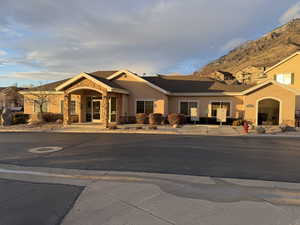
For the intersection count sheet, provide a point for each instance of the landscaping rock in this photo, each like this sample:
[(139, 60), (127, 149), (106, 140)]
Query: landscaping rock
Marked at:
[(176, 126), (59, 121), (152, 127), (260, 130), (285, 128), (112, 127)]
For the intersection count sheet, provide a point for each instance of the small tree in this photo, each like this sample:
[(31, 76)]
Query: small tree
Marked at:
[(39, 97)]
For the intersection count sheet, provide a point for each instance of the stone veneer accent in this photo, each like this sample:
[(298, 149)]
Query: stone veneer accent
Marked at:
[(87, 84)]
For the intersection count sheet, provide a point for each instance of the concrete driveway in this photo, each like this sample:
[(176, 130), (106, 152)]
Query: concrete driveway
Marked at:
[(263, 158)]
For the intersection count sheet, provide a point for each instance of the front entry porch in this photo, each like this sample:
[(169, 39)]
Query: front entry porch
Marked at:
[(91, 106)]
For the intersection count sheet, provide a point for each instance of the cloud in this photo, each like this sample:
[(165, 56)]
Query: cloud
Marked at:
[(71, 36), (236, 42), (2, 53), (36, 76), (292, 13)]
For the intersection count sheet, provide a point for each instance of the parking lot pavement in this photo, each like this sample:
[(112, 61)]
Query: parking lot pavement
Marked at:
[(263, 158), (25, 203)]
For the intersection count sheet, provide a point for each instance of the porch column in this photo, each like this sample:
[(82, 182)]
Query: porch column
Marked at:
[(106, 109), (119, 113), (67, 108), (80, 109)]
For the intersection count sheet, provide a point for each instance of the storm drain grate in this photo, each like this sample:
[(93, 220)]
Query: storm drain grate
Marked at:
[(48, 149)]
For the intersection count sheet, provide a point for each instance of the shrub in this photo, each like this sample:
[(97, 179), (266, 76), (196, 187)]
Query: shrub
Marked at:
[(164, 120), (20, 118), (141, 118), (175, 118), (51, 117), (237, 122), (155, 118)]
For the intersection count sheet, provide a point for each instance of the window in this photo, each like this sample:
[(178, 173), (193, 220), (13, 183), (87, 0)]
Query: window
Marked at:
[(216, 105), (144, 107), (113, 109), (72, 107), (285, 78), (37, 105), (185, 107)]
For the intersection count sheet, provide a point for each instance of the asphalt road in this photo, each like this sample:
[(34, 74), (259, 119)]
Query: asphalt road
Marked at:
[(23, 203), (264, 158)]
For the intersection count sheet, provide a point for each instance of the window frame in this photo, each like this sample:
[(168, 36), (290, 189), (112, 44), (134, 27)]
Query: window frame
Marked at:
[(219, 101), (144, 100), (62, 102), (188, 101), (283, 76)]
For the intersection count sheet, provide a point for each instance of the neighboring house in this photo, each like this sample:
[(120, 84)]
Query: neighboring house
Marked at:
[(117, 96), (11, 98), (250, 74), (222, 76)]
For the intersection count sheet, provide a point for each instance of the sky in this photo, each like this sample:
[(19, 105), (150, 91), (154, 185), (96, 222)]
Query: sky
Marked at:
[(46, 40)]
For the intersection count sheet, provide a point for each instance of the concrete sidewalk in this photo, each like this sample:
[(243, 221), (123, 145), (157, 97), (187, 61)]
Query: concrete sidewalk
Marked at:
[(114, 198)]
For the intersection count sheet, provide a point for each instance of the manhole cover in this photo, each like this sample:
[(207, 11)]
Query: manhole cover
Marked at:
[(48, 149)]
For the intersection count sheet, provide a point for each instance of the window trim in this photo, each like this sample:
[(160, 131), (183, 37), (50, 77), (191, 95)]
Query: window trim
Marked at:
[(145, 100), (292, 78), (188, 100), (220, 101), (62, 102)]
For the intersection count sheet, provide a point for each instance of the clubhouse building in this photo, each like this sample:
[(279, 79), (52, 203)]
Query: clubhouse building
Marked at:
[(117, 96)]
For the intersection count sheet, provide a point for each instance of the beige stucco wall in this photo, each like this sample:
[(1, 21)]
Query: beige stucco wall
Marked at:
[(54, 103), (286, 98), (290, 66), (204, 106), (139, 90)]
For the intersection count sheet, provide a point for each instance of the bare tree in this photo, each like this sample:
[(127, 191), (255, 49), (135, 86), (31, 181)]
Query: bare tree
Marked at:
[(39, 98)]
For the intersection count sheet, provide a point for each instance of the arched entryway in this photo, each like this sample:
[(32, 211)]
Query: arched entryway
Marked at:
[(268, 112)]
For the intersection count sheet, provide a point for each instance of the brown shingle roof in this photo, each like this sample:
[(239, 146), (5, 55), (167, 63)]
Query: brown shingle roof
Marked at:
[(171, 83), (99, 75), (104, 80), (193, 84), (47, 87), (103, 74)]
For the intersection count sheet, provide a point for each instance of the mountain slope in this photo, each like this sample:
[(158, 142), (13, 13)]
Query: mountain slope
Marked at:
[(264, 52)]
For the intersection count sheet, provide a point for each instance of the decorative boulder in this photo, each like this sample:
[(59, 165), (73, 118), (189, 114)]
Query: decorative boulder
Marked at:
[(6, 117), (260, 130)]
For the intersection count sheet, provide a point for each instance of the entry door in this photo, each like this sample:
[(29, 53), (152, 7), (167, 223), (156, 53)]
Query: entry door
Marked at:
[(96, 110)]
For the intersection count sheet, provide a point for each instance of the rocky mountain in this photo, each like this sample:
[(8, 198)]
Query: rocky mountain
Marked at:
[(261, 53)]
